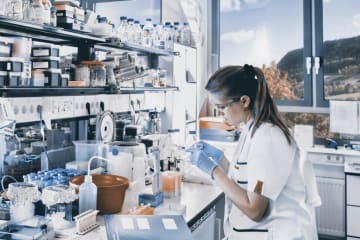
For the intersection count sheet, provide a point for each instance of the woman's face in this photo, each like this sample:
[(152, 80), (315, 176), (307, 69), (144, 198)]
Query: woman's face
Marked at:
[(236, 110)]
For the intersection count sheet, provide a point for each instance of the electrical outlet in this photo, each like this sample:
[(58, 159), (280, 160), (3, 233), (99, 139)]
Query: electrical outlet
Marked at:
[(26, 110)]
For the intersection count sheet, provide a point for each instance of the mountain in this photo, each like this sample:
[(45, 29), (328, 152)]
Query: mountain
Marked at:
[(339, 55)]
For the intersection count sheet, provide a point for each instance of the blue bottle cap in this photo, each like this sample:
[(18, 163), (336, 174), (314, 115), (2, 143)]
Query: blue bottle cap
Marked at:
[(114, 151)]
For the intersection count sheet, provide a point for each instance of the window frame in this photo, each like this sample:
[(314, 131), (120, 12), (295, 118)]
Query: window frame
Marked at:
[(314, 95)]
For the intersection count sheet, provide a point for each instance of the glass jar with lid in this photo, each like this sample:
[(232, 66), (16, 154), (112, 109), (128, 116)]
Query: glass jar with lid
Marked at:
[(97, 74)]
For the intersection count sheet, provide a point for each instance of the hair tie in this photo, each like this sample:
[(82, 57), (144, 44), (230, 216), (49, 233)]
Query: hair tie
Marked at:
[(249, 70)]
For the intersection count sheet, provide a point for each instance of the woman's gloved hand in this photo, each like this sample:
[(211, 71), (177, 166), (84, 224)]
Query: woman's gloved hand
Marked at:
[(203, 161), (213, 152)]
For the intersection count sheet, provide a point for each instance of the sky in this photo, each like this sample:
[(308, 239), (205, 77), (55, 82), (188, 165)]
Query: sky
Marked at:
[(260, 31)]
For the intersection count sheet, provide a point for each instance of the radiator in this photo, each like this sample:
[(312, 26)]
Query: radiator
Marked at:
[(330, 216)]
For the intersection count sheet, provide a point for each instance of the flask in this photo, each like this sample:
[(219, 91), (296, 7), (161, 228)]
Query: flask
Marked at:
[(87, 195)]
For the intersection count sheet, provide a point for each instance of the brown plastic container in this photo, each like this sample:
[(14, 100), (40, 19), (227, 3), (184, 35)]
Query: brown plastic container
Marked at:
[(111, 191)]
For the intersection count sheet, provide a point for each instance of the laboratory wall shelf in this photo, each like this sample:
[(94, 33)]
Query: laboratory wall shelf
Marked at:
[(45, 33), (48, 91), (134, 47), (130, 90)]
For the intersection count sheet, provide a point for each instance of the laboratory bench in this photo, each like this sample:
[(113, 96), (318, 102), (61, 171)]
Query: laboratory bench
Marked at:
[(199, 199)]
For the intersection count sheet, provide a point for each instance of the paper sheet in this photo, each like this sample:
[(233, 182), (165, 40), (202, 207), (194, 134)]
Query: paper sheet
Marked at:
[(169, 224), (344, 117)]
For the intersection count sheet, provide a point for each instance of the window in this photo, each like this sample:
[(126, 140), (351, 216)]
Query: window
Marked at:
[(270, 35), (341, 49), (139, 10)]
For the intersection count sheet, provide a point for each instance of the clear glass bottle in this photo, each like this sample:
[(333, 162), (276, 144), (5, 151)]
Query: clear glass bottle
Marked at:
[(185, 35), (14, 9), (147, 35), (138, 32), (159, 37), (121, 30), (177, 30), (36, 11), (46, 11), (87, 195), (130, 30), (53, 18), (26, 9), (169, 36)]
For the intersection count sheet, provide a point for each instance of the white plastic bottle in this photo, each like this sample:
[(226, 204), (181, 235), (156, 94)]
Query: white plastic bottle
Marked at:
[(87, 195)]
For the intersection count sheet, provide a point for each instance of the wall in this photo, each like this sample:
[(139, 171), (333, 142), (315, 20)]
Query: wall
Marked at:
[(198, 14)]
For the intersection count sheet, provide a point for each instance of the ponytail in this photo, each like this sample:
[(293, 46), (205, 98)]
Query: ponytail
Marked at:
[(265, 109), (236, 81)]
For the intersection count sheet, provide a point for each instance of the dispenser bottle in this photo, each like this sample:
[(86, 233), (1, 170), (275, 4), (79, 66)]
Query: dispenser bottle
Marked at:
[(87, 195)]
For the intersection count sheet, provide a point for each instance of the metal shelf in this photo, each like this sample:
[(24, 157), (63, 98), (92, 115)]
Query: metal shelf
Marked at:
[(48, 91), (45, 33), (109, 45), (128, 90)]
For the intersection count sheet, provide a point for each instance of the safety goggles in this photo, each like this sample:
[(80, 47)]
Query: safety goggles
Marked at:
[(223, 107)]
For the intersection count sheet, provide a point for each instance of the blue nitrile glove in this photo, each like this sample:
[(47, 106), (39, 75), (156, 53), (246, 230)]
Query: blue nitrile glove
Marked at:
[(213, 152), (202, 160)]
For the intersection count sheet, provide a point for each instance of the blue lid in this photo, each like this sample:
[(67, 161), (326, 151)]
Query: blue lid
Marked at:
[(176, 23), (186, 23), (167, 23), (148, 19), (123, 18), (136, 21), (130, 20), (114, 151)]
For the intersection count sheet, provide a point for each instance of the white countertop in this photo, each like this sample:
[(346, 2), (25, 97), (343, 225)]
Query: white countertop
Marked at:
[(196, 198), (322, 149)]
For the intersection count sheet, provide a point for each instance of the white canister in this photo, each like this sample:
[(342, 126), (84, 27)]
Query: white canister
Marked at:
[(120, 163)]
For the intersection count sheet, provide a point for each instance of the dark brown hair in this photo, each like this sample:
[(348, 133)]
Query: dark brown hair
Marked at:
[(235, 81)]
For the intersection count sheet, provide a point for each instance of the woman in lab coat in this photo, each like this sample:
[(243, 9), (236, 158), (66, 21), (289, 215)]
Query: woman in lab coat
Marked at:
[(264, 187)]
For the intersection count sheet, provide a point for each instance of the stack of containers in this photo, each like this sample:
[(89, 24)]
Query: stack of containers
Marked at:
[(70, 16), (46, 66), (13, 55)]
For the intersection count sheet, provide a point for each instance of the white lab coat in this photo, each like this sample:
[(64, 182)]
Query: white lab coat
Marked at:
[(267, 157)]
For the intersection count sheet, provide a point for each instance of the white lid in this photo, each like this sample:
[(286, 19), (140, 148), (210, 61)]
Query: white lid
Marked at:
[(3, 73)]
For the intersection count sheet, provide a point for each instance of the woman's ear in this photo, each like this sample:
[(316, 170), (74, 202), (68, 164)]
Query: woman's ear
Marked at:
[(245, 101)]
